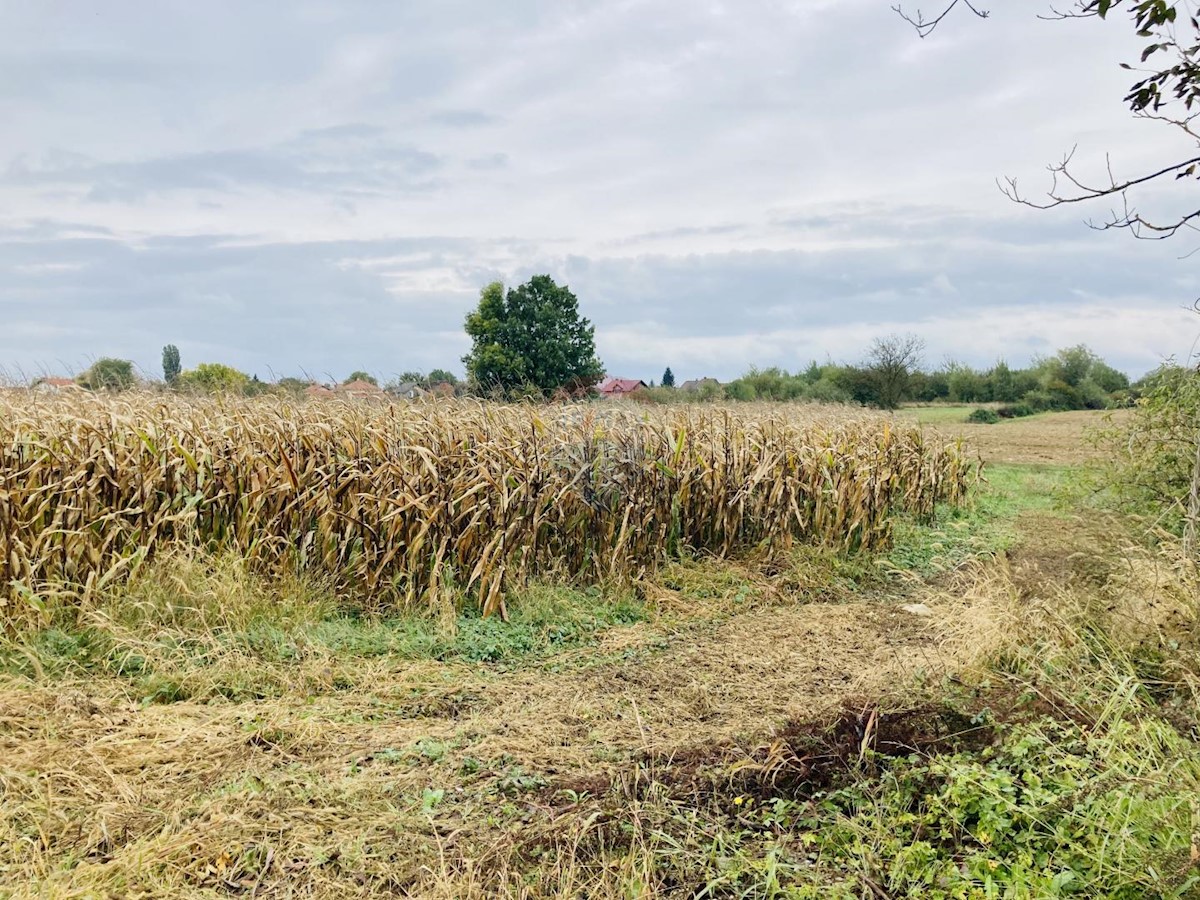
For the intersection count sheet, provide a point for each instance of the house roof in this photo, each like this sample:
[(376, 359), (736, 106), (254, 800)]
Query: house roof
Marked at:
[(409, 388), (696, 383), (620, 385), (358, 386), (57, 382), (318, 390)]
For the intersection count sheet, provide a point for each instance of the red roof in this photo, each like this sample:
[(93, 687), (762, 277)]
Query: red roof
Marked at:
[(611, 387), (358, 386)]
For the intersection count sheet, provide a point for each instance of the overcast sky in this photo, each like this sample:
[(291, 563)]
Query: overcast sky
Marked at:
[(325, 185)]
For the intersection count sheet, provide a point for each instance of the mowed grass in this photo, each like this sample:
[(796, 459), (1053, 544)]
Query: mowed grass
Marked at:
[(936, 415)]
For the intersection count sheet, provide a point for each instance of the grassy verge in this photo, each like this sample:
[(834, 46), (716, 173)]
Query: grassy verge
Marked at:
[(987, 524)]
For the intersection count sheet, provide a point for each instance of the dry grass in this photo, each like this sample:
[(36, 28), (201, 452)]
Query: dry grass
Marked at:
[(1045, 439), (413, 505), (352, 790)]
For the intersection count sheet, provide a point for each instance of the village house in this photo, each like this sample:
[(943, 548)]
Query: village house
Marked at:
[(409, 390), (360, 388), (697, 384), (616, 388)]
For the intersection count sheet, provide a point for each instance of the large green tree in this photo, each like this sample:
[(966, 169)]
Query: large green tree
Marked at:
[(531, 338), (215, 378), (107, 374)]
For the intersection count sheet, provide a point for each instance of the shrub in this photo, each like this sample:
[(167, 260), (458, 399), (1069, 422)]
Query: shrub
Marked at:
[(983, 416), (1014, 411), (1148, 467)]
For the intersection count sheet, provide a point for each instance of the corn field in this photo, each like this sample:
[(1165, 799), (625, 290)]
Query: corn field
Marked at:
[(400, 505)]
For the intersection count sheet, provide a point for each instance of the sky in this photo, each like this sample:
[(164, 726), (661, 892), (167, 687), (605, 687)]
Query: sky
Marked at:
[(320, 186)]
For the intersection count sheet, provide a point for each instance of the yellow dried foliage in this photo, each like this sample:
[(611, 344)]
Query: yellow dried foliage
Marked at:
[(398, 503)]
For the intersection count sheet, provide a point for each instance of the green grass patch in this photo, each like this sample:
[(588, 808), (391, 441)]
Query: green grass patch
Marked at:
[(164, 658), (986, 524)]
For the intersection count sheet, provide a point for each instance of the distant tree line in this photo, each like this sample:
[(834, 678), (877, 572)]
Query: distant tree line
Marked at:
[(531, 342), (1072, 378)]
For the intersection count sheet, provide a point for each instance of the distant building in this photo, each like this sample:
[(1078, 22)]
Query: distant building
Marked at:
[(55, 385), (409, 390), (442, 389), (697, 384), (318, 392), (360, 388), (616, 388)]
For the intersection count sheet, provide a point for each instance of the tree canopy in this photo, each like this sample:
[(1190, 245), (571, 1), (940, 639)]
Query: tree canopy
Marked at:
[(362, 376), (891, 362), (531, 339), (170, 363), (215, 378), (107, 374)]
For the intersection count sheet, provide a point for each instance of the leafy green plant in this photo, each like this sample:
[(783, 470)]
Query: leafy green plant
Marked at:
[(983, 416)]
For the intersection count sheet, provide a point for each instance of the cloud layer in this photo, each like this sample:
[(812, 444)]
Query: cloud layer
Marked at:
[(326, 187)]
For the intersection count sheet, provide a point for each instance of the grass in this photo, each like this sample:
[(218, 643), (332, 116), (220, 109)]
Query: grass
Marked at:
[(937, 415), (196, 628), (988, 524)]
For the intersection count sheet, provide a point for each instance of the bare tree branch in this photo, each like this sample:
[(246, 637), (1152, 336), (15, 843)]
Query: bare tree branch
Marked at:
[(1067, 188), (925, 27), (1174, 81)]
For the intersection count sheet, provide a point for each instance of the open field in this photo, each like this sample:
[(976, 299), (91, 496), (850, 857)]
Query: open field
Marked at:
[(1058, 438), (708, 728)]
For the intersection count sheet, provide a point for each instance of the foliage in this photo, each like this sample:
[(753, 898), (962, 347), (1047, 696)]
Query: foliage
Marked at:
[(531, 337), (891, 362), (411, 506), (1014, 411), (109, 374), (214, 378), (983, 416), (361, 376), (668, 378), (442, 376), (1147, 467), (170, 364), (294, 387)]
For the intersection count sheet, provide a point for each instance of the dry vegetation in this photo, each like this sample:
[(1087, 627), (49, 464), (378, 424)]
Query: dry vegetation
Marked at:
[(1055, 438), (799, 721), (404, 504)]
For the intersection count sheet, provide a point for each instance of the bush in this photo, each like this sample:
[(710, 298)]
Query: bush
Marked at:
[(1015, 411), (983, 417), (1147, 469)]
